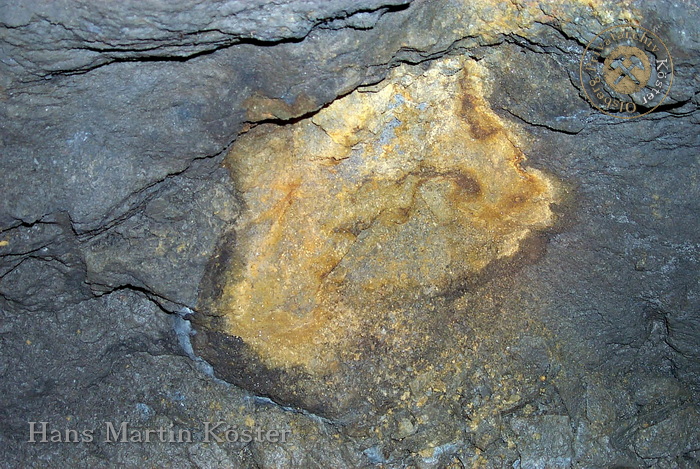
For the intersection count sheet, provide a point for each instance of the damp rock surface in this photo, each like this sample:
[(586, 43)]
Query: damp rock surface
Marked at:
[(123, 130), (392, 195), (393, 192)]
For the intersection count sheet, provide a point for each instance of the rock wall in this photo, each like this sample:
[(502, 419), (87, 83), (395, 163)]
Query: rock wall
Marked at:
[(458, 260)]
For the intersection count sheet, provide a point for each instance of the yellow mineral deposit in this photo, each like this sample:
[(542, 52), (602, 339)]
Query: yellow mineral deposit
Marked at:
[(390, 193)]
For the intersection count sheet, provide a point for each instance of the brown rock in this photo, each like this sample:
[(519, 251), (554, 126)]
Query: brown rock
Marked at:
[(393, 193)]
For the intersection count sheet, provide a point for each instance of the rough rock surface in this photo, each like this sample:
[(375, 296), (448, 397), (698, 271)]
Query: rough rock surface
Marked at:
[(389, 196), (115, 120)]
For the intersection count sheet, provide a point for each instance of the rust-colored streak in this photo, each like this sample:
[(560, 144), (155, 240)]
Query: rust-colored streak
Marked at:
[(481, 125), (389, 192), (261, 108)]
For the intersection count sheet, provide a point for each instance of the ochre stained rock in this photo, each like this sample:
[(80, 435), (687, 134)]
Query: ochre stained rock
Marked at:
[(392, 193)]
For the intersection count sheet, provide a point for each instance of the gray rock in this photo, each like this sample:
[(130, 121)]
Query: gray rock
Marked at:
[(678, 433), (180, 225), (114, 118), (45, 37), (544, 442)]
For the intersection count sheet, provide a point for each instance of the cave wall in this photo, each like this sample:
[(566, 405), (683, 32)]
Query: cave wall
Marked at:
[(116, 120)]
